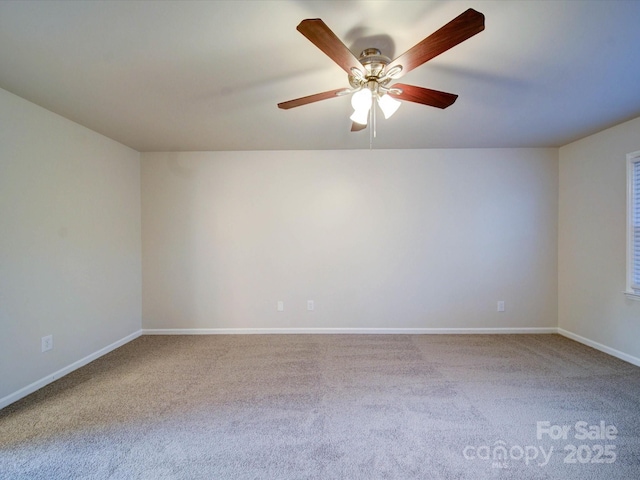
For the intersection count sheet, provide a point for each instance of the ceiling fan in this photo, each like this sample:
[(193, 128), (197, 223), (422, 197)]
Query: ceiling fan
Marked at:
[(370, 76)]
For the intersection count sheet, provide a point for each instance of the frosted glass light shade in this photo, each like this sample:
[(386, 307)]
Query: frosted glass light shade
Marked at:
[(361, 103), (361, 100), (360, 116), (388, 105)]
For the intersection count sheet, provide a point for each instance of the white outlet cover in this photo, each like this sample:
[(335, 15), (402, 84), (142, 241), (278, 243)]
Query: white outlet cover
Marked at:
[(47, 343)]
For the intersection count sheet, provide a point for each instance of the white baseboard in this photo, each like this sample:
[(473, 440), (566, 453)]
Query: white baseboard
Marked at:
[(23, 392), (382, 331), (599, 346)]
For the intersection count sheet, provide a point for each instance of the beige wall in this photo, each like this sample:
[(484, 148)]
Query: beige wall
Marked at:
[(592, 240), (70, 261), (378, 239)]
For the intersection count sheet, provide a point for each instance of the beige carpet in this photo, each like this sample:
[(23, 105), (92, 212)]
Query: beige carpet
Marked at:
[(332, 407)]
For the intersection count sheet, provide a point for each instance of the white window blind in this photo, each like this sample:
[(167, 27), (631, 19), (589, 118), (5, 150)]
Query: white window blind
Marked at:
[(635, 224)]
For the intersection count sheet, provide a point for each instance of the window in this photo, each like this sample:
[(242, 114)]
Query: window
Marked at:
[(633, 225)]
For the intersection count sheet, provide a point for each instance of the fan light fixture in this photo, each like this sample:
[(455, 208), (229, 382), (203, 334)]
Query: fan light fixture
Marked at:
[(372, 85), (362, 101)]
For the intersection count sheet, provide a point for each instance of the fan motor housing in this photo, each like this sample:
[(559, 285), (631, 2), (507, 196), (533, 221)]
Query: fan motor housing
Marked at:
[(374, 64)]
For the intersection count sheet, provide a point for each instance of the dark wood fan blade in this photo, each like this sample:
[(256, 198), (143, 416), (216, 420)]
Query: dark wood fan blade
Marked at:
[(458, 30), (310, 99), (425, 96), (322, 37), (356, 127)]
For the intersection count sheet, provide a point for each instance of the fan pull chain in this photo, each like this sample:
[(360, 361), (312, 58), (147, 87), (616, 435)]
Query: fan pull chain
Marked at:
[(372, 124), (371, 129), (373, 107)]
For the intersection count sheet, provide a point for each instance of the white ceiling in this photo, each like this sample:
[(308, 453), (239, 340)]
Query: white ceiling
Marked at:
[(207, 75)]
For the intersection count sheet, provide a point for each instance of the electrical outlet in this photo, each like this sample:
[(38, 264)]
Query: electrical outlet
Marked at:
[(280, 306), (501, 306), (310, 305), (47, 343)]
